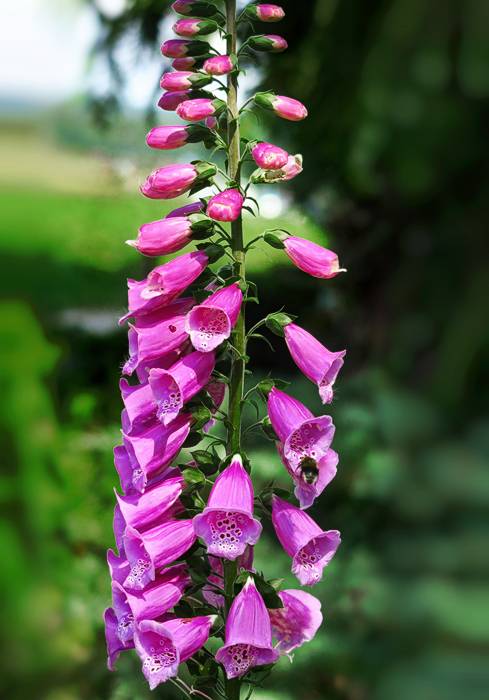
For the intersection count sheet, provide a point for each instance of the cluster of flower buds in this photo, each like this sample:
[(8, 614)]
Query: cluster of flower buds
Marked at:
[(177, 526)]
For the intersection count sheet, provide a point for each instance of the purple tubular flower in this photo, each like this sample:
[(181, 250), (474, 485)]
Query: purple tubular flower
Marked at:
[(209, 324), (139, 406), (265, 12), (174, 180), (268, 156), (158, 335), (172, 388), (268, 42), (198, 8), (248, 640), (226, 205), (155, 548), (167, 236), (297, 622), (150, 604), (183, 80), (218, 65), (311, 476), (312, 258), (216, 577), (162, 646), (310, 547), (302, 434), (187, 210), (167, 137), (199, 108), (145, 456), (118, 566), (141, 510), (319, 364), (285, 107), (227, 525), (112, 639), (164, 283), (169, 101), (194, 27), (178, 48)]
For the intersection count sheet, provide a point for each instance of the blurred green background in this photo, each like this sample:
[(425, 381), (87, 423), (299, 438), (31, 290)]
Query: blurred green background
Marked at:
[(396, 181)]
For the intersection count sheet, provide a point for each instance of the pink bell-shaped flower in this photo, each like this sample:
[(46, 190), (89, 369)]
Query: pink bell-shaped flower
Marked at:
[(310, 547), (163, 646), (183, 80), (265, 12), (218, 65), (226, 205), (285, 107), (227, 525), (172, 388), (312, 258), (194, 27), (142, 509), (297, 622), (209, 324), (200, 108), (248, 638), (178, 48), (319, 364), (268, 156)]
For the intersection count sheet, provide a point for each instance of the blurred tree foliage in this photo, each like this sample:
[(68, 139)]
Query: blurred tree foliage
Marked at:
[(396, 160)]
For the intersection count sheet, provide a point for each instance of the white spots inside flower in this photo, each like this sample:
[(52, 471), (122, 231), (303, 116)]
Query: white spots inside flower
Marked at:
[(169, 398), (241, 658), (226, 532), (137, 475), (306, 442), (309, 558), (160, 656), (125, 628), (138, 576), (211, 326), (287, 624)]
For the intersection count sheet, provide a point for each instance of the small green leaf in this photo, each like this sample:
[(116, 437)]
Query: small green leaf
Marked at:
[(192, 475)]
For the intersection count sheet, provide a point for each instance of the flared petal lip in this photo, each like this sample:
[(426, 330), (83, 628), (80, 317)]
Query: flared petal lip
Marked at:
[(269, 656), (330, 427)]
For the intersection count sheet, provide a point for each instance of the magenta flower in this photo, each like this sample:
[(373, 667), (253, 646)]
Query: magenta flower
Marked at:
[(142, 509), (187, 209), (225, 206), (146, 455), (285, 107), (172, 388), (200, 108), (160, 335), (171, 234), (163, 646), (131, 607), (164, 283), (193, 7), (216, 577), (173, 180), (185, 63), (183, 80), (178, 48), (170, 137), (227, 525), (310, 547), (265, 12), (297, 622), (268, 156), (155, 548), (210, 122), (293, 167), (312, 258), (218, 65), (268, 42), (248, 640), (310, 475), (194, 27), (169, 101), (209, 324), (319, 364)]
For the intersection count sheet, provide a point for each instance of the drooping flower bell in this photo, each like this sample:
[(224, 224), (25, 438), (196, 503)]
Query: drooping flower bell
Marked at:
[(268, 42), (143, 509), (129, 607), (163, 646), (209, 324), (197, 8), (312, 258), (169, 101), (285, 107), (146, 455), (178, 48), (227, 524), (154, 549), (310, 548), (174, 180), (319, 364), (218, 65), (184, 80), (225, 206), (200, 108), (268, 156), (172, 388), (297, 622), (248, 638), (166, 282), (291, 169), (171, 234), (194, 27), (171, 137), (265, 12)]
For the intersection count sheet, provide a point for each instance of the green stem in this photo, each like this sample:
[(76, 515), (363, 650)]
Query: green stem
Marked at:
[(237, 373)]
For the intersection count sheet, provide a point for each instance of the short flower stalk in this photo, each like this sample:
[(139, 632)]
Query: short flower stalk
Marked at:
[(186, 530)]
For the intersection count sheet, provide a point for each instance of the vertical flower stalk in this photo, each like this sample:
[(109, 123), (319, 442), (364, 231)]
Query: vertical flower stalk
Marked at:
[(194, 527)]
